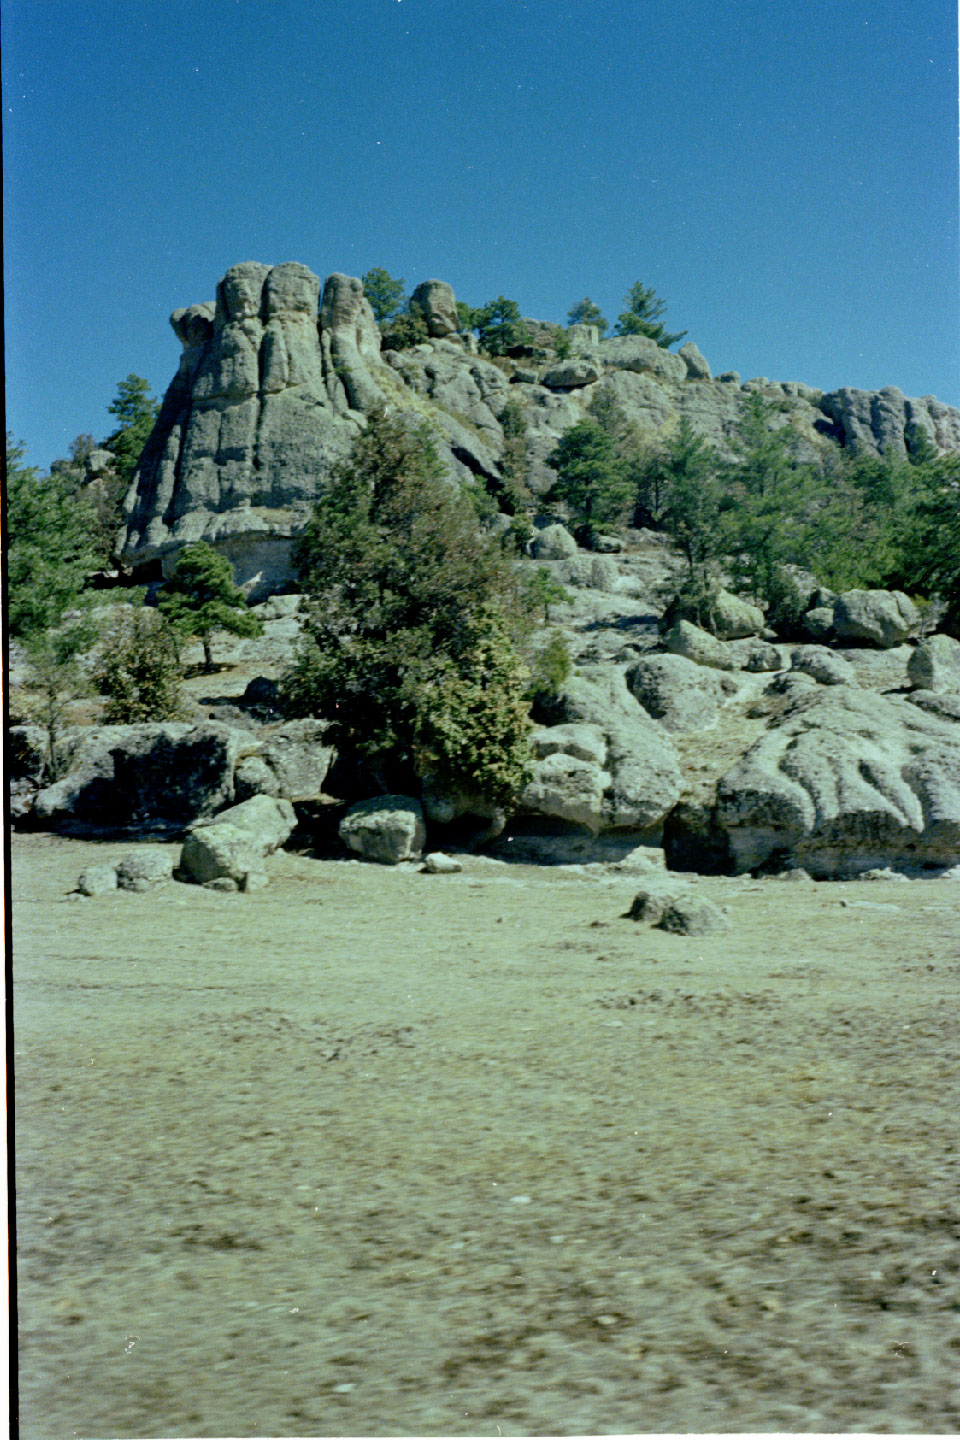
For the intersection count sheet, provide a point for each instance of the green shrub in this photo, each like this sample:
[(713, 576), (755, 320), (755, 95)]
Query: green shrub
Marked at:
[(139, 670)]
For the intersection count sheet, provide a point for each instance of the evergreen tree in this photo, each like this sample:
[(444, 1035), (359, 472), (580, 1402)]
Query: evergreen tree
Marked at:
[(515, 493), (200, 597), (409, 645), (386, 295), (642, 316), (139, 670), (137, 411), (931, 549), (500, 326), (51, 545), (688, 470), (591, 477), (586, 313)]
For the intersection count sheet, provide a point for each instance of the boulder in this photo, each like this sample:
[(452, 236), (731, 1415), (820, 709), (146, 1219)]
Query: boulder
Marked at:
[(880, 617), (688, 640), (650, 904), (692, 915), (818, 622), (935, 665), (133, 776), (697, 367), (848, 780), (144, 869), (564, 787), (553, 543), (438, 305), (387, 829), (440, 864), (825, 666), (734, 618), (574, 373), (583, 742), (756, 656), (642, 355), (97, 880), (293, 761), (237, 841), (675, 691)]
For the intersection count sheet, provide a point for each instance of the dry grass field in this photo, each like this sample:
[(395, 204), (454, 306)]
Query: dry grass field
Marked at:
[(372, 1152)]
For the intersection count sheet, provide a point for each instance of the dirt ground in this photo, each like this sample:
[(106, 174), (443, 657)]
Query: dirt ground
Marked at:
[(372, 1152)]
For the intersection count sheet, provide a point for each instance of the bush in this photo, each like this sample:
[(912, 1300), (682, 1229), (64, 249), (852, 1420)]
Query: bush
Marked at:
[(139, 670), (200, 597)]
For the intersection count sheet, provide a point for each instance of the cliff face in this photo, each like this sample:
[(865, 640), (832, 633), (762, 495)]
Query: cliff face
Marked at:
[(276, 378)]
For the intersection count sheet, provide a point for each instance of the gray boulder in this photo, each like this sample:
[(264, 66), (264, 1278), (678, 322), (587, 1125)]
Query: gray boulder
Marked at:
[(438, 306), (848, 780), (564, 787), (97, 880), (133, 776), (935, 665), (651, 903), (440, 864), (643, 356), (144, 869), (553, 543), (574, 373), (237, 841), (293, 761), (818, 622), (675, 691), (825, 666), (880, 617), (756, 656), (692, 915), (881, 421), (583, 742), (697, 367), (698, 645), (734, 618), (387, 829)]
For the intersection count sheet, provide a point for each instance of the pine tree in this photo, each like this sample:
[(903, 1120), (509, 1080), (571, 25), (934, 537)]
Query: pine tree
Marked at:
[(642, 316), (200, 597)]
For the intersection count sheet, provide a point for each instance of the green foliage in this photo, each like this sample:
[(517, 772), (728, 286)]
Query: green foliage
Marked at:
[(55, 679), (137, 412), (642, 316), (562, 345), (685, 475), (767, 509), (541, 589), (696, 601), (592, 477), (586, 313), (931, 549), (51, 545), (405, 331), (499, 326), (386, 295), (139, 669), (550, 668), (515, 493), (467, 315), (407, 647), (200, 597)]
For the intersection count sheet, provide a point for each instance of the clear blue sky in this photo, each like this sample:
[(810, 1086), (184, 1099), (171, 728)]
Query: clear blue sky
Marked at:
[(784, 174)]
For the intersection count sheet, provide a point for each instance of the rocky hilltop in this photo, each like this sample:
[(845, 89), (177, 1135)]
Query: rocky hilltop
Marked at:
[(279, 373)]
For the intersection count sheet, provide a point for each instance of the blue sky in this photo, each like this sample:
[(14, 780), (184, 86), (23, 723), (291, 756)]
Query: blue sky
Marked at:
[(783, 174)]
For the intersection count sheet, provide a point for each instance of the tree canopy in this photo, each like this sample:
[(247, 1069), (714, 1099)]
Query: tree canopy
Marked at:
[(586, 313), (410, 642), (386, 295), (201, 597), (642, 316), (137, 411)]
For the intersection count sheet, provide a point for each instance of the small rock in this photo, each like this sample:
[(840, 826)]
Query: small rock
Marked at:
[(440, 864), (651, 903), (97, 880), (797, 875), (884, 874), (144, 869), (223, 883), (692, 915), (254, 880)]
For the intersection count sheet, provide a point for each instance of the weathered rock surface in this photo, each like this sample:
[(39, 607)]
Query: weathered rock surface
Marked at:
[(387, 829), (144, 869), (293, 761), (825, 666), (675, 691), (880, 617), (692, 915), (130, 776), (274, 382), (650, 904), (935, 665), (236, 842), (847, 781), (698, 645)]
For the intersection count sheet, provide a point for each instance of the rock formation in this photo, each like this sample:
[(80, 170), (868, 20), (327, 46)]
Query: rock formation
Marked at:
[(279, 373)]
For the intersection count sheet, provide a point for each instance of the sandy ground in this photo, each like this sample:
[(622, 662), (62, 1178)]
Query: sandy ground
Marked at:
[(377, 1153)]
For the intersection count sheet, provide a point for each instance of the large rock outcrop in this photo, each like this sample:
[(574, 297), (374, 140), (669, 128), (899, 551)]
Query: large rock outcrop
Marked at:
[(279, 373), (847, 781)]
